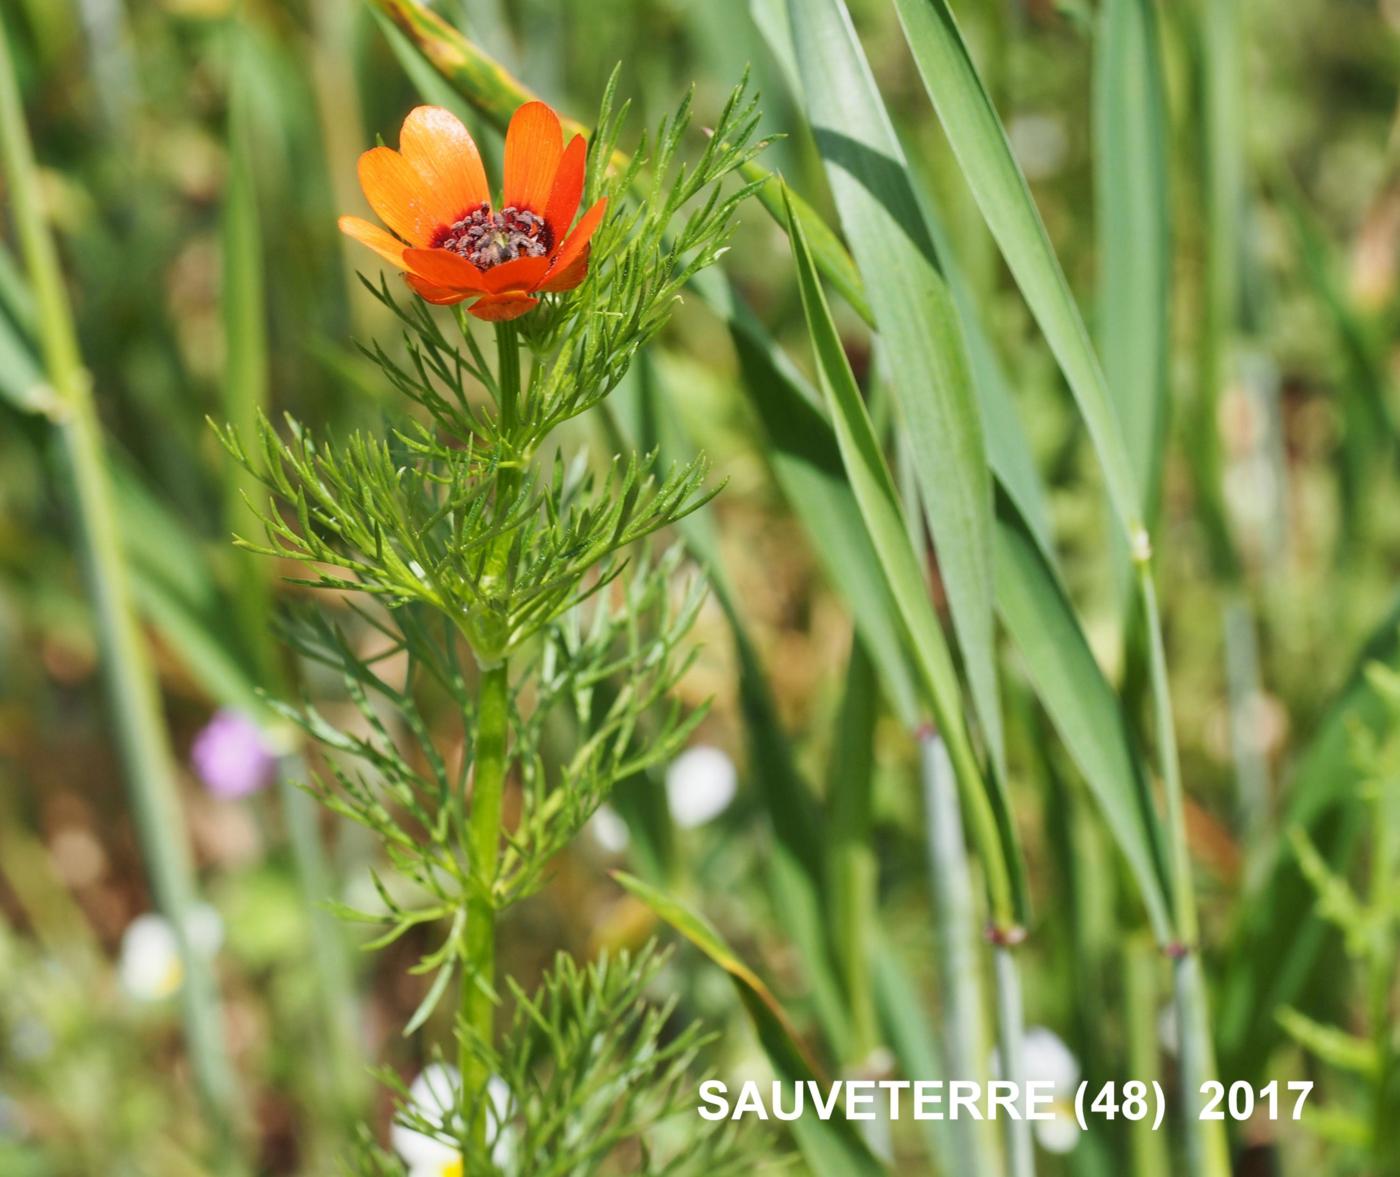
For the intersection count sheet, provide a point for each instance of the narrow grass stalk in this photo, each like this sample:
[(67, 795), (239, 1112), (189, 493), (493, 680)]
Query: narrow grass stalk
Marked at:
[(955, 927), (985, 804), (985, 157), (132, 690), (1011, 1032), (245, 391), (1207, 1145), (1140, 960)]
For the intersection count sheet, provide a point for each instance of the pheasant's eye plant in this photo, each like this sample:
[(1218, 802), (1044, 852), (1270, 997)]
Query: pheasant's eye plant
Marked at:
[(433, 193), (513, 579)]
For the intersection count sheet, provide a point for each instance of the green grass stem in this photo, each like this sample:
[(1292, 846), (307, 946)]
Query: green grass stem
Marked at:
[(132, 689)]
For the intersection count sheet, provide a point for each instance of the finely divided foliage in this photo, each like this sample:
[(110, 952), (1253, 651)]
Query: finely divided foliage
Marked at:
[(463, 546)]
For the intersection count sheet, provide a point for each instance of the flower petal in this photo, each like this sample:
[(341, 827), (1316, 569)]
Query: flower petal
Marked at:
[(443, 152), (570, 276), (438, 295), (497, 308), (576, 242), (568, 188), (522, 273), (386, 245), (399, 194), (534, 143), (442, 267)]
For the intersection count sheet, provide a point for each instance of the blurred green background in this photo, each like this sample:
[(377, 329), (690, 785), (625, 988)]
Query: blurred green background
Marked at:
[(1278, 542)]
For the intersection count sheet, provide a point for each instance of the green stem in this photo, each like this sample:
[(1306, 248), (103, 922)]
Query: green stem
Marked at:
[(508, 375), (478, 997), (1183, 894), (1208, 1146), (131, 686), (484, 833), (1140, 961), (1011, 1032)]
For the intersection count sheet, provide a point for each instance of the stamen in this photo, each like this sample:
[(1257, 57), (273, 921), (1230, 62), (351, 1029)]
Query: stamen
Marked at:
[(487, 239)]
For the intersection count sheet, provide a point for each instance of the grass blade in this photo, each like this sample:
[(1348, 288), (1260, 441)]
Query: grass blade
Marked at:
[(852, 867), (874, 492), (918, 324), (1081, 704), (1011, 1033), (1133, 231), (807, 466), (829, 1146), (1220, 134), (984, 154)]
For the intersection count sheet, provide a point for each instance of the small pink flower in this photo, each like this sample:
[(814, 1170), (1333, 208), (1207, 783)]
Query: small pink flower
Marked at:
[(232, 757)]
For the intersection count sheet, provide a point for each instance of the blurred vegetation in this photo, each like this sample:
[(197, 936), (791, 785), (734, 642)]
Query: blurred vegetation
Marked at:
[(1276, 550)]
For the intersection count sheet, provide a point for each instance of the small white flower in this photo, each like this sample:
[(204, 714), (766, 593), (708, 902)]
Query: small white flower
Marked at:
[(609, 830), (1046, 1059), (149, 966), (433, 1096), (700, 784)]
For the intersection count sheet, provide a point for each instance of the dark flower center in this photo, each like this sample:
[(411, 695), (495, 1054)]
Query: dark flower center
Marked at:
[(487, 239)]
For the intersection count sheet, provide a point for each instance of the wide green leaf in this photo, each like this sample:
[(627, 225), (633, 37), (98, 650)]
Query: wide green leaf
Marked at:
[(807, 466), (986, 807), (1218, 132), (918, 324), (1008, 449), (852, 865), (1133, 230), (1081, 704), (984, 154)]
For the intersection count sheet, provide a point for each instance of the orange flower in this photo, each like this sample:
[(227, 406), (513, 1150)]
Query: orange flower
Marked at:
[(432, 192)]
